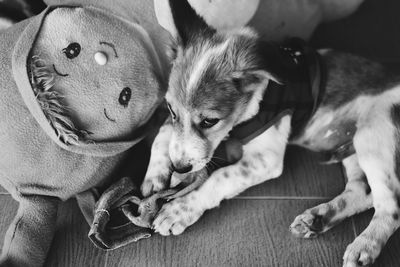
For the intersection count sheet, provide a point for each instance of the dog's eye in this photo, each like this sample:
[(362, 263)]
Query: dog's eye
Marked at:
[(171, 111), (208, 123), (125, 96), (72, 50)]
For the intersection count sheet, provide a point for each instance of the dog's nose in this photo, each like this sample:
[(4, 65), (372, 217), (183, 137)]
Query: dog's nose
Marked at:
[(182, 168)]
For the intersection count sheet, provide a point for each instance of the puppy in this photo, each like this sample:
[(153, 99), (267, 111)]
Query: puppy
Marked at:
[(222, 83)]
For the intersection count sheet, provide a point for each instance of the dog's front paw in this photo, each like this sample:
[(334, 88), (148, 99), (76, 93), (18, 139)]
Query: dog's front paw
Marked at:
[(362, 252), (177, 215), (307, 225), (153, 184)]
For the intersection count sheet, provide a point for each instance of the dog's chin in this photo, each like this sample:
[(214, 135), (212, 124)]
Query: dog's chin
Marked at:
[(197, 168)]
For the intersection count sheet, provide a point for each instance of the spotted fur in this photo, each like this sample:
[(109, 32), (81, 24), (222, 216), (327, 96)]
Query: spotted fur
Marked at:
[(159, 171)]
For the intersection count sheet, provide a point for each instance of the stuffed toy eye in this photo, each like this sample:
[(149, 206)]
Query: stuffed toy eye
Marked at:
[(72, 50), (171, 111), (125, 96)]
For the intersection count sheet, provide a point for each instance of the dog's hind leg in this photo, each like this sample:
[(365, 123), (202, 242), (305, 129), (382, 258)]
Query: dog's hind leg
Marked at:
[(29, 237), (376, 144), (354, 199)]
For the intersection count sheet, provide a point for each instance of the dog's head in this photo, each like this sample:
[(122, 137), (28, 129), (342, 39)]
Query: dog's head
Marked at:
[(216, 82), (95, 74)]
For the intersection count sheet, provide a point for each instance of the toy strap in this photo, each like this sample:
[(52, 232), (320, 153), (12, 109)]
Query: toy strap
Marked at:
[(122, 217)]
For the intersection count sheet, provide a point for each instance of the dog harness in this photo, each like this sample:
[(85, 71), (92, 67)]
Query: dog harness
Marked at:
[(298, 96)]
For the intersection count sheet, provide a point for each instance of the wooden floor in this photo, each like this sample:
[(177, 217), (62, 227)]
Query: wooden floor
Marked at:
[(250, 230)]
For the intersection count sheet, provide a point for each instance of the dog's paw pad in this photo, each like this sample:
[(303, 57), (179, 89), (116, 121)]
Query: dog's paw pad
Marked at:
[(306, 225), (362, 252)]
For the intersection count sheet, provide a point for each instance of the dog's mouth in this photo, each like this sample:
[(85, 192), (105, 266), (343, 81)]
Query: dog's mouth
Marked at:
[(108, 116), (59, 73)]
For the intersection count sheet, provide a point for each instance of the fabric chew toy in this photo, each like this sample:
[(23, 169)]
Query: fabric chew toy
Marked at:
[(109, 230), (121, 216), (80, 88)]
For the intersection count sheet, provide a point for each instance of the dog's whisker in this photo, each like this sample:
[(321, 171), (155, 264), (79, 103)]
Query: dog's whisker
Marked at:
[(218, 158), (215, 164)]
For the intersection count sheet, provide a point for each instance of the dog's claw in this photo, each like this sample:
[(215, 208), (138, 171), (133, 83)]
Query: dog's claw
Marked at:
[(303, 226), (362, 252)]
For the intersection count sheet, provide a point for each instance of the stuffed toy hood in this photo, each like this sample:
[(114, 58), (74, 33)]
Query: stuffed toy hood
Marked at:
[(21, 78), (33, 159)]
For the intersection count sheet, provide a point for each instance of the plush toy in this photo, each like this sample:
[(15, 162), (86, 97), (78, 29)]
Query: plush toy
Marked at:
[(273, 19), (80, 88)]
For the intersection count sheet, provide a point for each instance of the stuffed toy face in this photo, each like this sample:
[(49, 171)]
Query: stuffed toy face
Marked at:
[(91, 75)]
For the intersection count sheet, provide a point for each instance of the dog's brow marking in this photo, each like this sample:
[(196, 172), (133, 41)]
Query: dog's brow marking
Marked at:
[(202, 64)]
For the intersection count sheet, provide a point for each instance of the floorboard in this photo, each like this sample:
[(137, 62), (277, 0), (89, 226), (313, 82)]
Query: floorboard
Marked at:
[(239, 233), (71, 246)]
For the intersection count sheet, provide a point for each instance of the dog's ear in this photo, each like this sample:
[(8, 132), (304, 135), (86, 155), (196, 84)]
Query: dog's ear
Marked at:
[(280, 63), (252, 80), (181, 20)]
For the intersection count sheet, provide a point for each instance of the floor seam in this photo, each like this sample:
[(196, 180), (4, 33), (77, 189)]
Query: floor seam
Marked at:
[(353, 224), (106, 259), (281, 198)]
